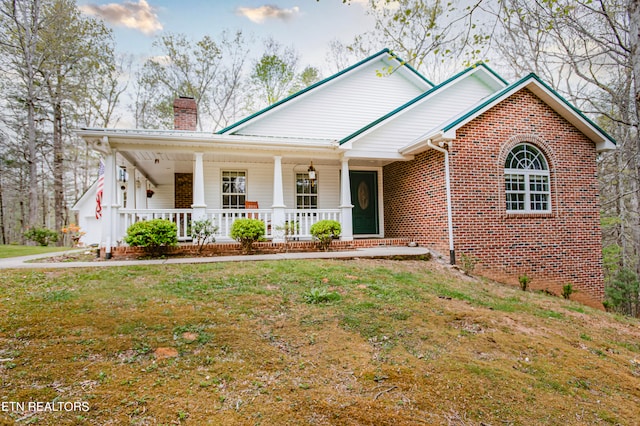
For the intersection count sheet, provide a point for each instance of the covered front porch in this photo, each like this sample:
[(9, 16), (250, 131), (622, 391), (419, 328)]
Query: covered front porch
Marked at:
[(289, 185)]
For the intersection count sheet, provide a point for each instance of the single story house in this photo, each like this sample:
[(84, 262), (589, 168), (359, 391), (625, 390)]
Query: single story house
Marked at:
[(477, 168)]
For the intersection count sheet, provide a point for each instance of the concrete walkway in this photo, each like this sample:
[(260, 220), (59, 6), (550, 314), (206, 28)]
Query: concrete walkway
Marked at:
[(385, 251)]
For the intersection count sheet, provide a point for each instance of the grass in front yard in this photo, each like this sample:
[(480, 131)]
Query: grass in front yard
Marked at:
[(308, 342), (7, 250)]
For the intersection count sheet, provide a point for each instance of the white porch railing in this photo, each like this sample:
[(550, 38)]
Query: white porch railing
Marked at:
[(299, 221), (224, 218), (303, 219)]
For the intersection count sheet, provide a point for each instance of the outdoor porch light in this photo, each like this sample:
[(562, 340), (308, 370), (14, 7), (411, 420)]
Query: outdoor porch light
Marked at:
[(312, 173)]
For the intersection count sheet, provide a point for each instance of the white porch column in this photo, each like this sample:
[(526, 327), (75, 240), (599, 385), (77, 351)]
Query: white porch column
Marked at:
[(345, 202), (110, 203), (278, 216), (199, 207), (141, 191), (131, 188)]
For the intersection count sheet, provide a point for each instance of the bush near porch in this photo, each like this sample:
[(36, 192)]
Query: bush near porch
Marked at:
[(247, 231), (154, 236), (325, 232)]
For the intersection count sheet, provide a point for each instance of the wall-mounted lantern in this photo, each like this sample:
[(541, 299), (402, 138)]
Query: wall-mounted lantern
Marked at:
[(312, 174)]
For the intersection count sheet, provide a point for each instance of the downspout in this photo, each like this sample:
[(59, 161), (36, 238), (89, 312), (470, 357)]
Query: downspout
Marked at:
[(447, 179)]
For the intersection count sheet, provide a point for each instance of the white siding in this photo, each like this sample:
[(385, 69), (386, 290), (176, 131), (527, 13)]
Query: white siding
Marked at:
[(162, 197), (338, 108), (400, 131), (328, 185), (86, 208), (260, 183)]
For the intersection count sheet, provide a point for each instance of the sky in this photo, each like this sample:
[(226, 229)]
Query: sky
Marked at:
[(307, 25)]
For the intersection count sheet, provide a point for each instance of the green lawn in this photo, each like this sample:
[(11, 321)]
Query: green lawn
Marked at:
[(15, 251), (326, 342)]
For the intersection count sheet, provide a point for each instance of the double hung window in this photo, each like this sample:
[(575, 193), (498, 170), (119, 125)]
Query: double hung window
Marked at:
[(306, 192), (234, 189)]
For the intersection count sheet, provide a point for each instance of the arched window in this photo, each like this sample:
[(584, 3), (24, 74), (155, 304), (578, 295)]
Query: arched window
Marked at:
[(526, 179)]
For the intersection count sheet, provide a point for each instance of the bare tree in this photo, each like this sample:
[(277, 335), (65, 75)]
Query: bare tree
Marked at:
[(228, 98), (183, 68), (274, 73), (21, 22), (75, 48), (435, 37)]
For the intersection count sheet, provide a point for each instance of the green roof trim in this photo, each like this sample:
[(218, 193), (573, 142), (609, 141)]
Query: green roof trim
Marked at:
[(409, 67), (495, 74), (515, 85), (321, 82), (417, 99)]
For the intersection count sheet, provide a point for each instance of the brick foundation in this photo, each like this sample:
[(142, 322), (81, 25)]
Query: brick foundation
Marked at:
[(260, 247)]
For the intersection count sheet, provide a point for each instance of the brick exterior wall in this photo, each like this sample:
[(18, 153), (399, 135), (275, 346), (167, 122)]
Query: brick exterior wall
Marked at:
[(183, 190), (554, 249), (415, 200), (185, 114)]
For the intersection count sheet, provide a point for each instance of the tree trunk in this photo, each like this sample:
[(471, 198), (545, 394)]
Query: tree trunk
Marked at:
[(33, 164), (58, 171), (3, 237), (45, 199), (31, 17), (634, 39), (621, 210)]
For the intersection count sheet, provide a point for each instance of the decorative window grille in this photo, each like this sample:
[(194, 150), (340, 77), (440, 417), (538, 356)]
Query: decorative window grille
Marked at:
[(526, 178)]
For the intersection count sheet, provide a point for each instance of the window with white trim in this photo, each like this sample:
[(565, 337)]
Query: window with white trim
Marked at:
[(306, 191), (234, 189), (526, 179)]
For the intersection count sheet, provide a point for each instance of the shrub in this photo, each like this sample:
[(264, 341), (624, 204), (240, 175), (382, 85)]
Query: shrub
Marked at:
[(468, 263), (325, 231), (202, 232), (154, 235), (41, 236), (247, 231), (568, 290), (290, 231), (524, 282)]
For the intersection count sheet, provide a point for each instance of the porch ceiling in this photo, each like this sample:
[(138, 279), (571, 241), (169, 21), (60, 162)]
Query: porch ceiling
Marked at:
[(171, 162)]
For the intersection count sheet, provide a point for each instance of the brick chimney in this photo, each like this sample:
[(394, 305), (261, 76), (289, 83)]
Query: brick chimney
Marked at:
[(185, 113)]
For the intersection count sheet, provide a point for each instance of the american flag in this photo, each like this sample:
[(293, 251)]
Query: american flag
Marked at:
[(100, 190)]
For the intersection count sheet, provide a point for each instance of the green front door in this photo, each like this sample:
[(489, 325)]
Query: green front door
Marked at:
[(364, 197)]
